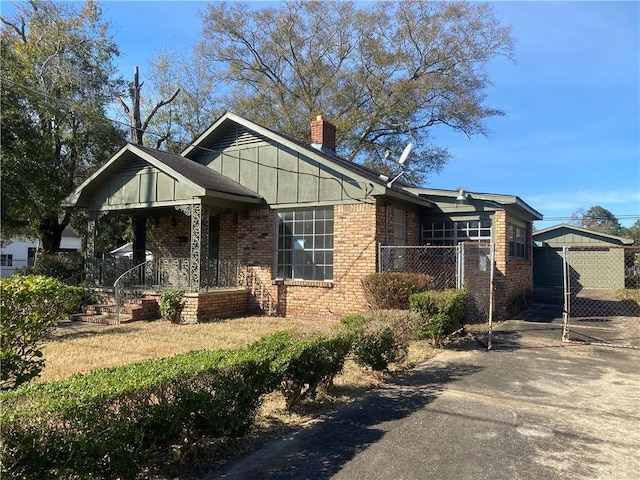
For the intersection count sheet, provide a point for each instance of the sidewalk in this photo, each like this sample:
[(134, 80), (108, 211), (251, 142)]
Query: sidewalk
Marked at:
[(532, 408)]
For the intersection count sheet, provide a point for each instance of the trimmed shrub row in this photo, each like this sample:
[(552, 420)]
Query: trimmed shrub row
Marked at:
[(112, 422), (109, 423)]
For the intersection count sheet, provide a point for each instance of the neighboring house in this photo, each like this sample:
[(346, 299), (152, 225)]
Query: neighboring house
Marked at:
[(587, 263), (303, 223), (19, 252)]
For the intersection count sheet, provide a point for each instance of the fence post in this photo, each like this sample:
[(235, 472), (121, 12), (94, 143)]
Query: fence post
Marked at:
[(491, 293), (459, 266), (566, 293)]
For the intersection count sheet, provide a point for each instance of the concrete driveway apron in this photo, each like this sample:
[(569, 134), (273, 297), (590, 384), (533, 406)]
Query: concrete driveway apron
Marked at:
[(532, 408)]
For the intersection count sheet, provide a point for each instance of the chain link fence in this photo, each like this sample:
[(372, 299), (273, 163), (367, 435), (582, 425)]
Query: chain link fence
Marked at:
[(466, 265), (602, 295)]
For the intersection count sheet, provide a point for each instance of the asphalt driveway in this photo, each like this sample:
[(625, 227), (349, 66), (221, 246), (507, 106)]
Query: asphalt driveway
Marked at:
[(531, 408)]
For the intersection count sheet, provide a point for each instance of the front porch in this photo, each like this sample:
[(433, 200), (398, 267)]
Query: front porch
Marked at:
[(127, 292), (182, 201)]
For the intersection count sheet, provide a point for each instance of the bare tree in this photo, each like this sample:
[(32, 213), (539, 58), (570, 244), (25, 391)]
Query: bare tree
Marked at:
[(382, 73), (138, 127)]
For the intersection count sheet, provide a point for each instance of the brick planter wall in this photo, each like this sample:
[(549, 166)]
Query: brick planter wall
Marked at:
[(222, 303)]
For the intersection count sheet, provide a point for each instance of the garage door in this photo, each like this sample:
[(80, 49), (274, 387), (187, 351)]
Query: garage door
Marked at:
[(597, 267)]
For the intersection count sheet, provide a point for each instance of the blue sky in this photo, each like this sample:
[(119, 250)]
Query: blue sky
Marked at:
[(571, 134)]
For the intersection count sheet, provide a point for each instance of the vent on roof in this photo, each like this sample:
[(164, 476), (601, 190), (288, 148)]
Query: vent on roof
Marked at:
[(134, 166), (238, 137)]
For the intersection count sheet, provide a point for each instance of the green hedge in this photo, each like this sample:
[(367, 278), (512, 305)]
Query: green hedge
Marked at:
[(442, 313), (115, 422), (299, 365), (111, 422)]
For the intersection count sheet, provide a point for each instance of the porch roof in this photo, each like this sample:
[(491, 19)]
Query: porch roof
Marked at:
[(122, 176)]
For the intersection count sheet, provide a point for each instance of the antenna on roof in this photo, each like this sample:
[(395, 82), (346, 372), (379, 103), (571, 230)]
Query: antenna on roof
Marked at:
[(402, 162)]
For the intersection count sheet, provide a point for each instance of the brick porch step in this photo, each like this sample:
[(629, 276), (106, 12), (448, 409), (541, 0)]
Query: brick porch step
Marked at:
[(101, 318), (136, 309)]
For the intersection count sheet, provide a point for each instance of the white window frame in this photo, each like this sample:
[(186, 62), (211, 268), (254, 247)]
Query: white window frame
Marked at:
[(453, 232)]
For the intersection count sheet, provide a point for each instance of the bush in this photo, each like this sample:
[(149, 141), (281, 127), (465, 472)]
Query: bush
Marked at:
[(61, 266), (355, 321), (391, 290), (442, 313), (300, 365), (376, 345), (172, 305), (31, 307), (111, 422)]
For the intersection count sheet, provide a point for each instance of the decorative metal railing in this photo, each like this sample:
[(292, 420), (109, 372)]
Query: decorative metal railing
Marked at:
[(163, 273)]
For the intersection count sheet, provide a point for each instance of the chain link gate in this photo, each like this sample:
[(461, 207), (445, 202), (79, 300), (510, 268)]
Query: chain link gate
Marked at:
[(470, 265), (602, 295)]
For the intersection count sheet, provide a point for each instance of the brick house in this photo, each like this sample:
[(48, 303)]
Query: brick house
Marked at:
[(294, 226)]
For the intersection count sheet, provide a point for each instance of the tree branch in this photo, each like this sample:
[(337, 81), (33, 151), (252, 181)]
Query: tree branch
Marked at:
[(160, 104), (19, 30)]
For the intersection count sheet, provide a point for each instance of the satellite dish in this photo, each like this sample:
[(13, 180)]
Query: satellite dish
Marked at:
[(405, 154)]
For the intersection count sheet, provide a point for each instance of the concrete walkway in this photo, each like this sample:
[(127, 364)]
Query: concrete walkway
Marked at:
[(532, 408)]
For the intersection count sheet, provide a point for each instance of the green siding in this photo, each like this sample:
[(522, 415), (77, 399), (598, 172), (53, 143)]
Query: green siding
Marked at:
[(132, 187), (281, 175)]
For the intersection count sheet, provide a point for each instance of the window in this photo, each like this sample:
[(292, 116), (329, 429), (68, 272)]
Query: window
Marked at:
[(399, 227), (305, 244), (452, 233), (6, 260), (31, 256), (518, 245)]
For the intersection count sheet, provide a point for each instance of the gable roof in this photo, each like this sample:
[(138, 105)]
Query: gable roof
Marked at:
[(198, 178), (558, 229), (339, 164)]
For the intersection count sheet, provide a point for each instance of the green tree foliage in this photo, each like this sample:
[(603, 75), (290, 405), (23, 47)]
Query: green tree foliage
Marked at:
[(633, 232), (57, 80), (597, 219), (31, 308), (383, 73)]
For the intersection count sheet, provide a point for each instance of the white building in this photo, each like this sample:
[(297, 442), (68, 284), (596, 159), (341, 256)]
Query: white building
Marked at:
[(21, 252)]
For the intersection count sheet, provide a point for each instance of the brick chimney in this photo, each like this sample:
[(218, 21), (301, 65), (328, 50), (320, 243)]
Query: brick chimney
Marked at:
[(323, 135)]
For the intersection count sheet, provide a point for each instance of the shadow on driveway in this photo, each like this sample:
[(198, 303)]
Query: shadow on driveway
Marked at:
[(322, 449)]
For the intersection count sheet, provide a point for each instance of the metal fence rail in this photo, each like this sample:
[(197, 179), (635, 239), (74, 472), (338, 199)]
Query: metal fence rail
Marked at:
[(602, 295)]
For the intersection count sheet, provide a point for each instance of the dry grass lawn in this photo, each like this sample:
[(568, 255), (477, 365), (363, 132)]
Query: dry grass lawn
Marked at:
[(80, 347)]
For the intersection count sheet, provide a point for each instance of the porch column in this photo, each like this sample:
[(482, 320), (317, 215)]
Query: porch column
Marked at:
[(199, 249), (139, 224), (199, 245), (90, 254)]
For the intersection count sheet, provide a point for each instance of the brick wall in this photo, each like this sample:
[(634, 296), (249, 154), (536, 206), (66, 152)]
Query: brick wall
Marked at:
[(249, 238), (514, 277), (172, 241)]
